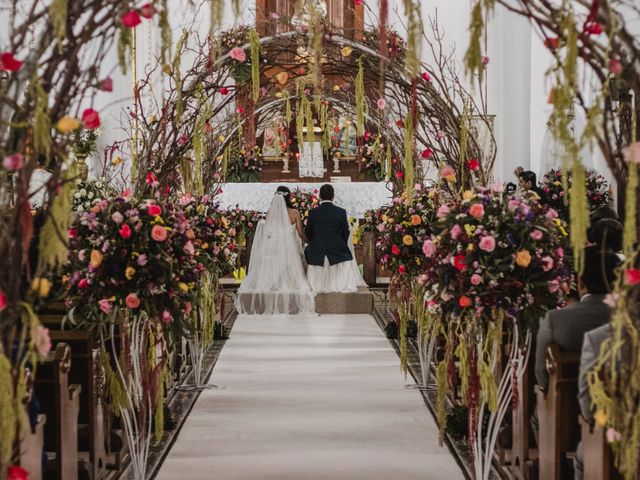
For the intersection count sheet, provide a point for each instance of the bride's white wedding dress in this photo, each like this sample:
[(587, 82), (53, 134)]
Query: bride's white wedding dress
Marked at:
[(276, 282)]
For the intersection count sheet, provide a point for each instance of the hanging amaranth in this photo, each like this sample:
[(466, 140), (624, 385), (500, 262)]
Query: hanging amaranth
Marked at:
[(578, 213), (300, 111), (41, 121), (58, 11), (360, 98), (124, 45), (414, 37), (178, 77), (409, 147), (254, 44), (165, 31), (287, 107)]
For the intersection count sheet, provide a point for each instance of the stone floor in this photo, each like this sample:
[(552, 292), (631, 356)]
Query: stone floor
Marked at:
[(308, 397)]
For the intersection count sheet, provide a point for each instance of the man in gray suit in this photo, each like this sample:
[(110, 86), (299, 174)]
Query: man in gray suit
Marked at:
[(566, 326)]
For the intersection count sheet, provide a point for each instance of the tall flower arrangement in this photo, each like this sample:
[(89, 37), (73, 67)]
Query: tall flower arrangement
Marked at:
[(305, 201), (493, 266)]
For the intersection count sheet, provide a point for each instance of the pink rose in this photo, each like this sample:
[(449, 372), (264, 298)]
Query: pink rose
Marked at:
[(536, 234), (455, 231), (105, 305), (106, 84), (429, 248), (560, 252), (42, 341), (154, 210), (166, 317), (551, 214), (476, 210), (238, 54), (90, 119), (13, 162), (487, 244), (3, 301), (189, 248), (547, 263), (513, 204), (83, 283), (132, 300), (443, 211), (117, 217), (158, 233), (125, 231), (476, 279)]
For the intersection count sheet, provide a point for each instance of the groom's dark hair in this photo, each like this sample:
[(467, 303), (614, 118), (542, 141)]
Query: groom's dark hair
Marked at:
[(326, 192)]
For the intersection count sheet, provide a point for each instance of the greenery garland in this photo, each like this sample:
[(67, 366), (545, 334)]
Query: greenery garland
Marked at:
[(360, 97), (254, 45)]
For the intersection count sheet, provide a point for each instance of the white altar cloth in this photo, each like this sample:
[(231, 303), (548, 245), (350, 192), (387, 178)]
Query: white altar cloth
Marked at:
[(355, 197)]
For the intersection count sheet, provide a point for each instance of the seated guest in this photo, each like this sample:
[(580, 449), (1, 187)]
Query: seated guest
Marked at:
[(607, 233), (527, 181), (604, 211), (566, 326)]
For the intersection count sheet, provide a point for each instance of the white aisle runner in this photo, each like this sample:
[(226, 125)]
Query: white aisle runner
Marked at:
[(309, 397)]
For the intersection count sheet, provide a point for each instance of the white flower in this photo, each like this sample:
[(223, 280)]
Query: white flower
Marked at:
[(80, 208)]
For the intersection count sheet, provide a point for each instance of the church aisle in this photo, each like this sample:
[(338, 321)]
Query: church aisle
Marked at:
[(308, 397)]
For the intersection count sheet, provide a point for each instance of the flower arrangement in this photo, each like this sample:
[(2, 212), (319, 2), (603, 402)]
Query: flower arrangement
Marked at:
[(403, 227), (242, 223), (305, 201), (90, 192), (597, 189), (374, 156), (132, 255), (373, 218), (243, 166)]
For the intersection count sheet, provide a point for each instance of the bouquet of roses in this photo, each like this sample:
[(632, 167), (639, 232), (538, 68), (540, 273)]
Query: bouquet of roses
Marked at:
[(403, 227), (598, 191), (136, 255), (373, 218), (244, 222), (490, 251), (304, 201)]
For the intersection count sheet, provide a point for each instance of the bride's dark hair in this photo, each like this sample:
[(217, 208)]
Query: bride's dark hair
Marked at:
[(286, 193)]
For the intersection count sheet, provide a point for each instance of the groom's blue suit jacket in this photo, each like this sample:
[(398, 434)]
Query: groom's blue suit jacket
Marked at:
[(328, 233)]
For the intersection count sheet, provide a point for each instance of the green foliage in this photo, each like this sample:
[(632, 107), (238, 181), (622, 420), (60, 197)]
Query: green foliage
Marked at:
[(8, 420), (360, 98), (165, 31), (124, 45), (254, 44), (41, 120)]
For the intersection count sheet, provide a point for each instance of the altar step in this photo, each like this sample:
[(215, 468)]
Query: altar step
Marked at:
[(345, 303)]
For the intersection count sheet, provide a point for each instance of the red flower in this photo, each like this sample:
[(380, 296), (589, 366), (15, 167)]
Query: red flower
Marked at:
[(552, 43), (239, 110), (632, 276), (152, 179), (147, 10), (131, 19), (615, 66), (154, 210), (395, 249), (400, 124), (473, 164), (399, 175), (83, 283), (72, 233), (402, 269), (9, 63), (17, 473), (224, 90), (426, 77), (106, 84), (427, 153), (593, 28), (459, 263), (90, 119), (465, 301), (125, 231)]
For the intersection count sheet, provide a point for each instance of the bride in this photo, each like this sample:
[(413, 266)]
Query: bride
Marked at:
[(276, 282)]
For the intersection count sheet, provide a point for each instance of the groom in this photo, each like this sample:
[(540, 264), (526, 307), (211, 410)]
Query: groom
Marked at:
[(328, 253)]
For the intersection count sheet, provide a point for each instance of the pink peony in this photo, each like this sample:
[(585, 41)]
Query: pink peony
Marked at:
[(13, 162), (158, 233), (105, 305), (536, 234), (132, 300), (547, 263), (429, 248), (487, 244), (476, 210), (238, 54), (42, 341), (3, 301)]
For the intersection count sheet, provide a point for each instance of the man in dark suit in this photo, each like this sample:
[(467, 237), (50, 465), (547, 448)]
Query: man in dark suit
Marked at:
[(328, 233), (566, 326)]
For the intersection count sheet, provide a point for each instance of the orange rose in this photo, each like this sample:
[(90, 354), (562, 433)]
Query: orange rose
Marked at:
[(158, 233), (523, 258), (407, 240), (96, 258), (416, 220)]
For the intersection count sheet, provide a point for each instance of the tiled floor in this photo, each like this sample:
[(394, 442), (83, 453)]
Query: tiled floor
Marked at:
[(308, 397)]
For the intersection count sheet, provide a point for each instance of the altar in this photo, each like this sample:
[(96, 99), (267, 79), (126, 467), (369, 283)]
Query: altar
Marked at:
[(355, 197)]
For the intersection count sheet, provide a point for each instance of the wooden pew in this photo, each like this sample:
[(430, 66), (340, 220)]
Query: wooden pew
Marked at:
[(32, 443), (523, 458), (93, 437), (596, 454), (60, 402), (369, 260), (558, 431)]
